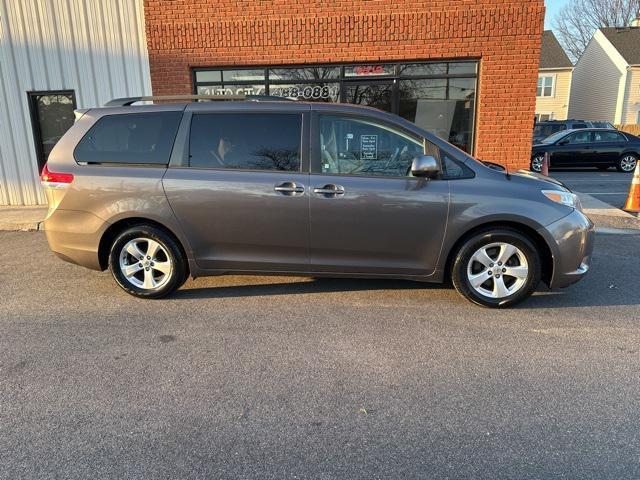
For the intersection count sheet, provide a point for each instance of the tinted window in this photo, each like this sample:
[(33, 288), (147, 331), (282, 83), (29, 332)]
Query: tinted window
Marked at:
[(576, 126), (544, 130), (250, 141), (351, 146), (144, 138), (581, 137), (608, 137)]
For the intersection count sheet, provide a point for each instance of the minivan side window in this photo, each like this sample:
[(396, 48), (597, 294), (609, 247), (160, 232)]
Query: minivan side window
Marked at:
[(134, 138), (246, 141), (353, 146)]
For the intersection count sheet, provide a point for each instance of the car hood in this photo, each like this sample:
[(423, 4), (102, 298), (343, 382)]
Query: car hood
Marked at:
[(537, 177)]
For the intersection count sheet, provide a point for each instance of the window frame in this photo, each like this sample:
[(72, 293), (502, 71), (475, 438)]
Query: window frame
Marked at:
[(36, 131), (182, 156), (543, 77), (315, 150)]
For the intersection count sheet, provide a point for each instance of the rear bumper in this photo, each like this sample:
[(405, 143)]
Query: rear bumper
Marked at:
[(74, 236), (572, 239)]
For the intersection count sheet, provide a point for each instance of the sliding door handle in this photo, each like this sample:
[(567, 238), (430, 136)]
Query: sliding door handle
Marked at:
[(329, 190), (289, 188)]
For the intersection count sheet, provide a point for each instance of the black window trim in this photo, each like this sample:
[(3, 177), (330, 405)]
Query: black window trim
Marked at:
[(184, 161), (36, 132)]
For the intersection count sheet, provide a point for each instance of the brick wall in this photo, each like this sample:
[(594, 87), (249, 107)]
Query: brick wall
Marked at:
[(504, 34)]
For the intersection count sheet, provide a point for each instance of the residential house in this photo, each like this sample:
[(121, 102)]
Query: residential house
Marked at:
[(554, 80), (606, 79)]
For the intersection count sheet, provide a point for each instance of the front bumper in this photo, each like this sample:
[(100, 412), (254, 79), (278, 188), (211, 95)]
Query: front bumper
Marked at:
[(571, 239)]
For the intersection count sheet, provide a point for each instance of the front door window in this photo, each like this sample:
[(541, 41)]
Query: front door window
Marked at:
[(351, 146)]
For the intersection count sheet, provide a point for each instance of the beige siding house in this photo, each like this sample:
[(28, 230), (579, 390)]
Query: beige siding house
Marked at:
[(606, 79), (554, 80)]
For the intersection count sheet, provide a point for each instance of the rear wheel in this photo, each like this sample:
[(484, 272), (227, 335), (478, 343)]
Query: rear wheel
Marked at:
[(627, 163), (147, 262), (536, 163), (496, 268)]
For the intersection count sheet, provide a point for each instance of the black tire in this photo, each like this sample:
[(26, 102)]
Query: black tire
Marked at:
[(484, 238), (619, 163), (170, 251)]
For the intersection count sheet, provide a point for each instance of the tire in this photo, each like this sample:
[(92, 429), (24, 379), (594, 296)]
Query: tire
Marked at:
[(524, 263), (144, 278), (626, 163), (536, 163)]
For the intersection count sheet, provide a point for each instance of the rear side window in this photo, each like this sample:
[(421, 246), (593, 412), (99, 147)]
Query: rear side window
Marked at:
[(608, 137), (136, 138), (580, 125), (246, 141)]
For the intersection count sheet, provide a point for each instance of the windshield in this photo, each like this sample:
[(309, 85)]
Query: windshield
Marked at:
[(544, 130), (554, 138)]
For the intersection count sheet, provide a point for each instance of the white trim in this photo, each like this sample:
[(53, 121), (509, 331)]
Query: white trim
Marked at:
[(554, 79)]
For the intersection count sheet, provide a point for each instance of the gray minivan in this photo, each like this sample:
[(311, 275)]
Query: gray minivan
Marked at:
[(158, 193)]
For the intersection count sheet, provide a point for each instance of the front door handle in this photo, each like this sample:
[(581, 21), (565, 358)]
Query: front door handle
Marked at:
[(289, 188), (329, 189)]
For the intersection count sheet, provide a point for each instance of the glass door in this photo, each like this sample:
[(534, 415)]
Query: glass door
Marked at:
[(373, 93), (51, 116)]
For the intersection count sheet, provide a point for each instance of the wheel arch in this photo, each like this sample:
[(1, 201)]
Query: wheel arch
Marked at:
[(546, 254), (119, 226)]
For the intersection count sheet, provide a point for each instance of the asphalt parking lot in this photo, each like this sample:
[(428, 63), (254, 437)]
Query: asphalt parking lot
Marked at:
[(610, 186), (255, 377)]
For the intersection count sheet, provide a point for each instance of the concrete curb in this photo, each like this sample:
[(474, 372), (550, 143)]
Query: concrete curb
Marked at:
[(22, 219), (593, 206)]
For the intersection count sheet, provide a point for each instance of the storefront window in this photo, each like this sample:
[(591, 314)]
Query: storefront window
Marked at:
[(443, 107), (313, 92), (438, 96), (307, 73)]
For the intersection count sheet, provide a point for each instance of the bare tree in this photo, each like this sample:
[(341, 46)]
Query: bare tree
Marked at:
[(576, 23)]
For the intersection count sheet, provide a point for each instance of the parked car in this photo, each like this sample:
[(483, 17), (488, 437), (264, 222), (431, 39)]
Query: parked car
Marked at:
[(158, 193), (591, 147), (543, 129)]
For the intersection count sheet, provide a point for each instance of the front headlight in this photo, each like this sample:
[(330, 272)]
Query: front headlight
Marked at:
[(565, 198)]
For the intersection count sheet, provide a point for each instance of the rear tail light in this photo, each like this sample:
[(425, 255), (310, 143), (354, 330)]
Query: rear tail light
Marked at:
[(55, 179)]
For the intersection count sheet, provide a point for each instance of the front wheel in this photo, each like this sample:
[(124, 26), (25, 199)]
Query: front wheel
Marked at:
[(147, 262), (496, 268), (626, 163)]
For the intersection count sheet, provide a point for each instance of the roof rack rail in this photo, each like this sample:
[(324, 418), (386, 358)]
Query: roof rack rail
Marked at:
[(128, 101)]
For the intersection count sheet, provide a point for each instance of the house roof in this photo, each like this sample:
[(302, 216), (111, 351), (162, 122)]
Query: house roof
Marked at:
[(626, 41), (552, 54)]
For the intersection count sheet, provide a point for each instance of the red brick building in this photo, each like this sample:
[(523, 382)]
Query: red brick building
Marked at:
[(465, 69)]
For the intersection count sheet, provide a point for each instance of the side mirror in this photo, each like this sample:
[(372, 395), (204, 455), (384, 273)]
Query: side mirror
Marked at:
[(563, 142), (425, 166)]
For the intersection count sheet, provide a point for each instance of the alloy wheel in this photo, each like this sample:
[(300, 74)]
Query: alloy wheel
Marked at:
[(498, 270), (145, 264), (536, 163), (628, 163)]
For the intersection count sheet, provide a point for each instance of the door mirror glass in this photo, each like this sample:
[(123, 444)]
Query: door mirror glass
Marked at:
[(425, 166)]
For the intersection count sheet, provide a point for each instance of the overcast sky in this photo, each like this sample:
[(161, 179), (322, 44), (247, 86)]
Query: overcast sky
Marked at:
[(553, 6)]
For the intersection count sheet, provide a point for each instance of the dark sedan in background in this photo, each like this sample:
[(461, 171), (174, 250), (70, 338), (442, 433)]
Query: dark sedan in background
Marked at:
[(591, 147)]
